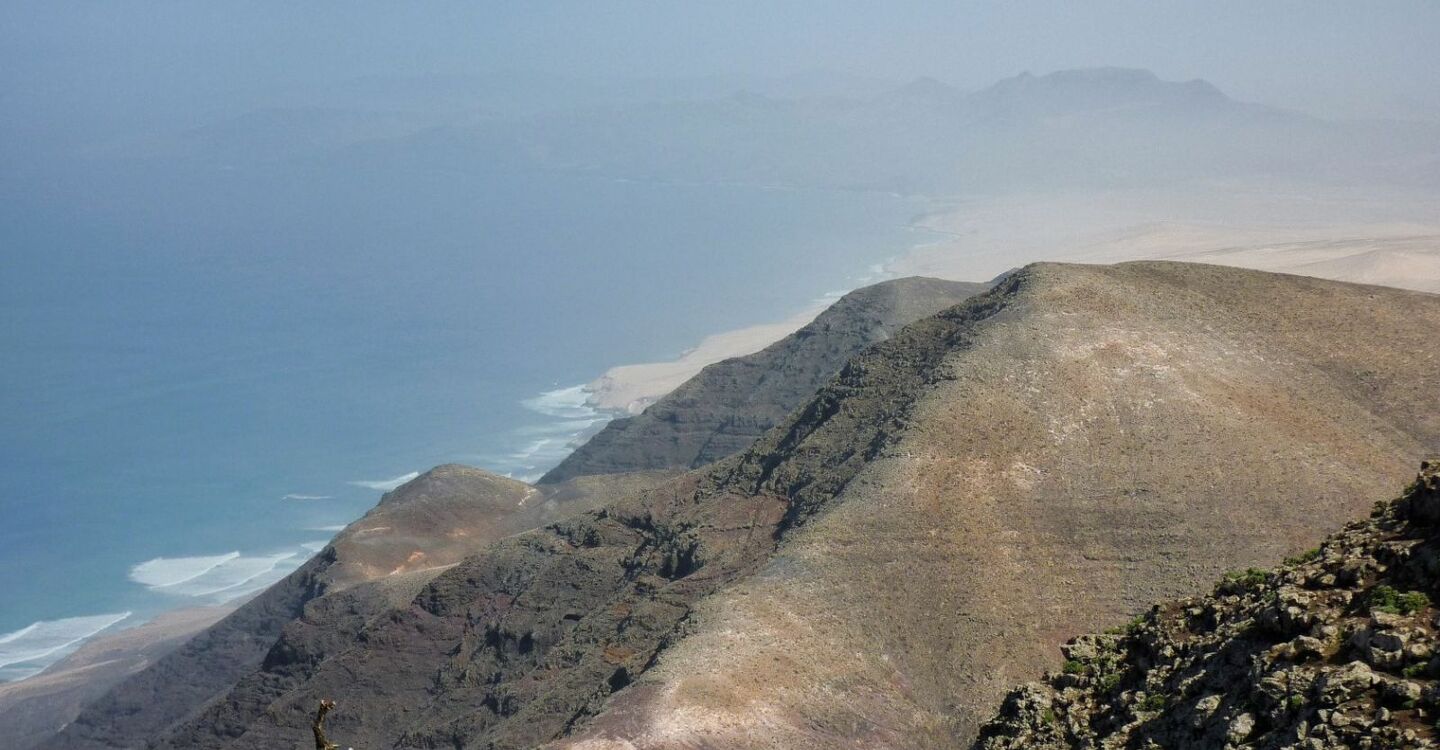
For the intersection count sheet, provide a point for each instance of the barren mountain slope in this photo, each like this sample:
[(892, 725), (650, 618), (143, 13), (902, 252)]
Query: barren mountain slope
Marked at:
[(730, 403), (1113, 436), (960, 499), (376, 563)]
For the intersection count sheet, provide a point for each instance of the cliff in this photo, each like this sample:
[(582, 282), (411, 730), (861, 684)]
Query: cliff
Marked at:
[(731, 403)]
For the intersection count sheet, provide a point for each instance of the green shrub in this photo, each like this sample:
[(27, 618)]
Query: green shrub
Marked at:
[(1388, 599), (1109, 682), (1250, 578), (1304, 557), (1073, 667), (1296, 702), (1153, 702), (1049, 716), (1415, 670)]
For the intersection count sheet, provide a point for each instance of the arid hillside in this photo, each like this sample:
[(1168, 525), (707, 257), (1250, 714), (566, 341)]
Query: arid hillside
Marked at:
[(1038, 462), (729, 404)]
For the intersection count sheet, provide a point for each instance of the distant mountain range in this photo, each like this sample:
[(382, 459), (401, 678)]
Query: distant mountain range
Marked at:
[(876, 569), (1092, 127)]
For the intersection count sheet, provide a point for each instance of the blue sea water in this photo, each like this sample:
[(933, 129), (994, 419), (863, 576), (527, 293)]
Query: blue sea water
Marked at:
[(207, 369)]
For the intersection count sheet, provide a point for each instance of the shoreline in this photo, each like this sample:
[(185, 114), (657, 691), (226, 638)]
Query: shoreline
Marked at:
[(1354, 235), (629, 389)]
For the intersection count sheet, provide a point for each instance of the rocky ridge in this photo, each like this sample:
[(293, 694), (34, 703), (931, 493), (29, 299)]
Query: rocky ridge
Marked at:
[(729, 404), (1338, 648)]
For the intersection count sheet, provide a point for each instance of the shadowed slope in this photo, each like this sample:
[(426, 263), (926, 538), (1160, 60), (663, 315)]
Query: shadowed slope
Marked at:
[(376, 563), (724, 408)]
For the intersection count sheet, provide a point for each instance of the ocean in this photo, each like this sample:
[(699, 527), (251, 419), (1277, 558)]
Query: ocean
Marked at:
[(209, 369)]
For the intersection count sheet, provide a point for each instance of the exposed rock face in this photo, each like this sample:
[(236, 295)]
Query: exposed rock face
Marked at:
[(940, 516), (375, 564), (1336, 649), (722, 410)]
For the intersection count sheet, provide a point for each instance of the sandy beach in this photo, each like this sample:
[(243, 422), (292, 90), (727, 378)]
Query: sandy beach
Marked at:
[(631, 388)]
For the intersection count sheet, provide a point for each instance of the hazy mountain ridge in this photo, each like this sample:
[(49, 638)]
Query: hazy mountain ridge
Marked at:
[(1101, 126), (1333, 650), (729, 404), (971, 450)]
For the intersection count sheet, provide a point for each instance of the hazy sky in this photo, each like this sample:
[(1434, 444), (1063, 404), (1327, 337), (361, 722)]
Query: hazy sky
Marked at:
[(1333, 57)]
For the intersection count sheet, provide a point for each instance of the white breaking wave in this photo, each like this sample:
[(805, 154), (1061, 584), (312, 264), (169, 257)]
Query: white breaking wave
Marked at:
[(308, 497), (227, 581), (336, 527), (163, 572), (30, 649), (221, 578), (545, 445), (565, 403), (385, 485), (569, 425)]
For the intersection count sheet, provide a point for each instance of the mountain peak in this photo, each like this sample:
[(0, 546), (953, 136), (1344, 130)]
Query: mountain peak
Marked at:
[(928, 87), (1095, 88)]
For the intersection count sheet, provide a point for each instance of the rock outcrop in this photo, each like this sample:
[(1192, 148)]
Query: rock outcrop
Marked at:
[(729, 404), (1338, 648)]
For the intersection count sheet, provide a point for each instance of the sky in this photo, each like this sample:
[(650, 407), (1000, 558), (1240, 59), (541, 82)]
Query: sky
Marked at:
[(61, 60)]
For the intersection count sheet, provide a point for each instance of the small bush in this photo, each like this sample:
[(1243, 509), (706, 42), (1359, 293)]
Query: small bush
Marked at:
[(1049, 716), (1296, 702), (1153, 702), (1250, 578), (1304, 557), (1388, 599), (1415, 670), (1109, 682), (1073, 667)]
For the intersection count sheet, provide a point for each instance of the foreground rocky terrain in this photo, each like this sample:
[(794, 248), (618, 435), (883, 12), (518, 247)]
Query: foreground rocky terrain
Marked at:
[(729, 404), (926, 530), (1335, 649)]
